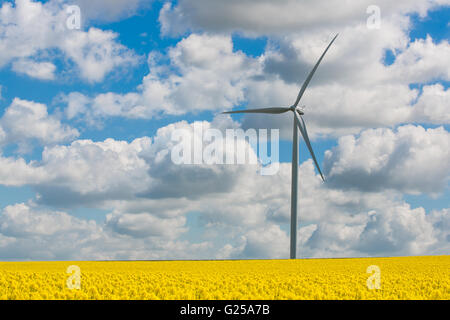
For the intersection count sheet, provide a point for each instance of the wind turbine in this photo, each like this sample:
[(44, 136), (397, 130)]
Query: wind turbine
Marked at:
[(299, 124)]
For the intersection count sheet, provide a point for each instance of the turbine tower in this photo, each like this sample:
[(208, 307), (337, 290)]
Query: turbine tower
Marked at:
[(299, 125)]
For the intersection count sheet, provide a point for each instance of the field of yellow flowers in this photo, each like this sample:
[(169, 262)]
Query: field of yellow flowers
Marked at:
[(398, 278)]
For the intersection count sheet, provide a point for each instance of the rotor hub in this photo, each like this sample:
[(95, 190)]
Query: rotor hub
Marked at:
[(300, 110)]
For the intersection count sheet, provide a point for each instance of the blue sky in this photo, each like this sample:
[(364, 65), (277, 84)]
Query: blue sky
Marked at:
[(378, 115)]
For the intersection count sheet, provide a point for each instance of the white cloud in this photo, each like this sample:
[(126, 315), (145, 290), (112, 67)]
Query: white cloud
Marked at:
[(96, 53), (35, 233), (39, 70), (150, 198), (256, 17), (80, 173), (76, 104), (411, 159), (382, 158), (109, 10), (352, 90), (29, 232), (344, 223), (143, 225), (433, 105), (24, 121), (21, 220), (90, 172), (266, 242), (423, 61), (440, 220), (32, 29), (399, 230), (388, 230), (203, 73), (17, 172)]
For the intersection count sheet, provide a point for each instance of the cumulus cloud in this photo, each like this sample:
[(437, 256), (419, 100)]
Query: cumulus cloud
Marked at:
[(29, 232), (97, 53), (143, 225), (42, 234), (440, 219), (24, 121), (39, 70), (76, 104), (18, 172), (397, 231), (432, 105), (136, 181), (423, 61), (254, 18), (390, 230), (109, 10), (87, 172), (202, 73), (31, 29), (351, 91), (346, 223), (410, 159), (266, 242), (21, 220)]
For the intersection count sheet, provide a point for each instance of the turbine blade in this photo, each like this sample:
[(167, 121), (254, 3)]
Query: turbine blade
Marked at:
[(302, 127), (311, 74), (263, 110)]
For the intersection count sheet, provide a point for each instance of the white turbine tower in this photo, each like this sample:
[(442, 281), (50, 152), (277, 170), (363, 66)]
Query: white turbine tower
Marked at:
[(299, 124)]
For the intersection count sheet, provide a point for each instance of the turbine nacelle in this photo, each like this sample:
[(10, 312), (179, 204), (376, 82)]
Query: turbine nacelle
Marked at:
[(300, 110)]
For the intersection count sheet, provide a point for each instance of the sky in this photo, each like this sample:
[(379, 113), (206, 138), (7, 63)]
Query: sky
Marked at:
[(88, 112)]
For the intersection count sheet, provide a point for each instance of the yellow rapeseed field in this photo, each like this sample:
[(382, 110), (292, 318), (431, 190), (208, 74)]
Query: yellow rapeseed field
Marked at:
[(400, 278)]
